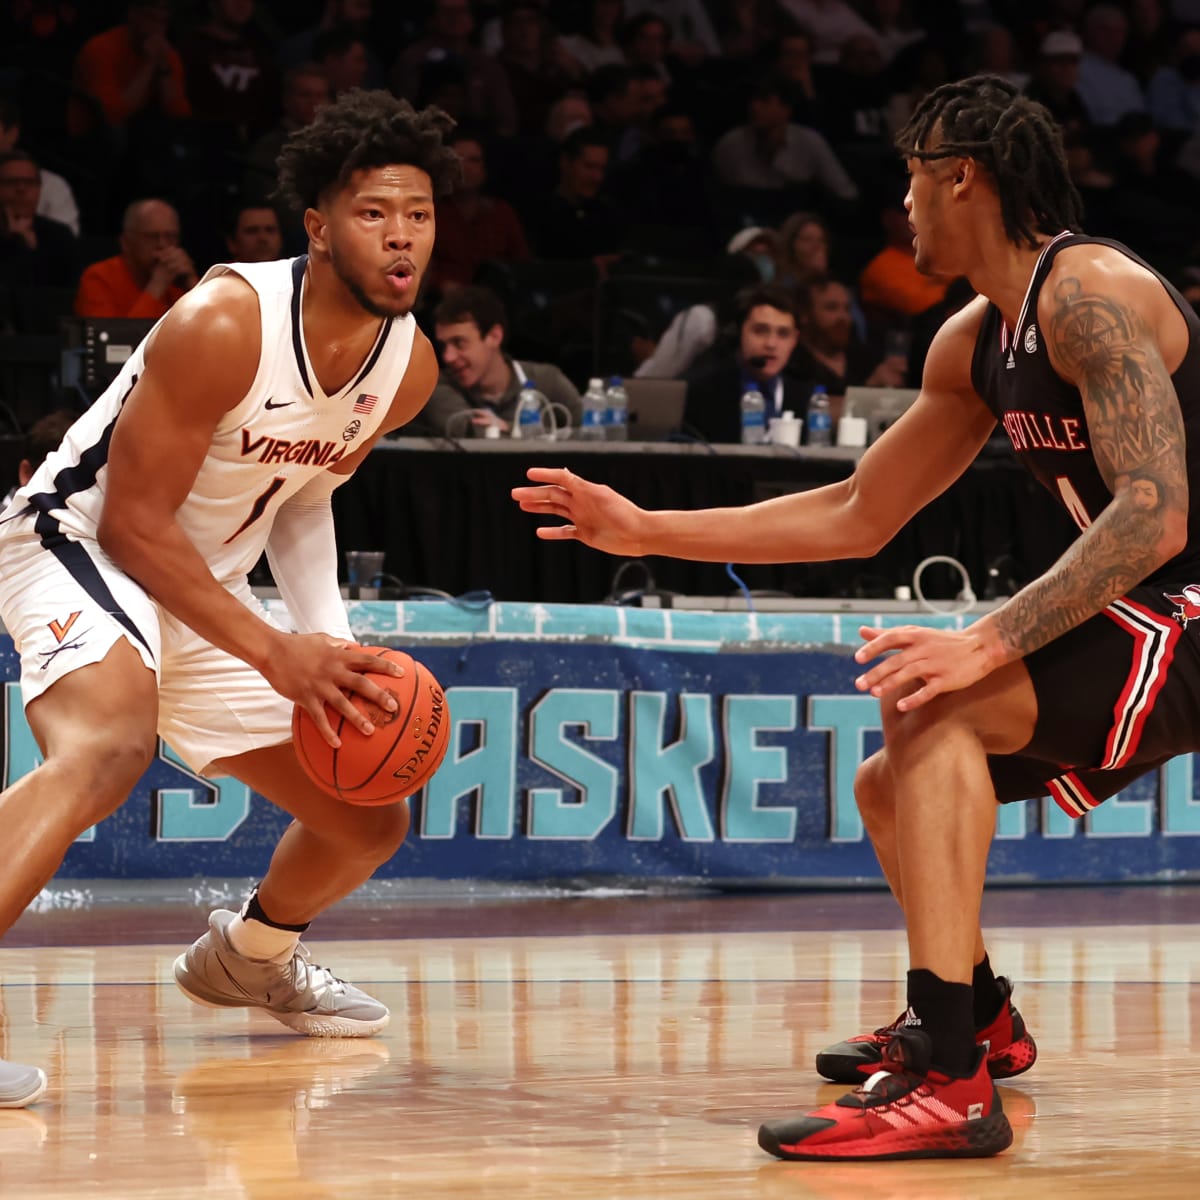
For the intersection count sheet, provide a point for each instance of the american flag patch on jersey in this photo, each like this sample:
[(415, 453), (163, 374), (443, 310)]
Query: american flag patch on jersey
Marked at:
[(364, 403)]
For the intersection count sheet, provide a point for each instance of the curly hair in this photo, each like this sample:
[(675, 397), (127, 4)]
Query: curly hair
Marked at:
[(358, 131), (1013, 138)]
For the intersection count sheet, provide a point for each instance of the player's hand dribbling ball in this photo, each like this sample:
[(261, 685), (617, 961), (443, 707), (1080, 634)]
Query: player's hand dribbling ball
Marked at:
[(395, 761)]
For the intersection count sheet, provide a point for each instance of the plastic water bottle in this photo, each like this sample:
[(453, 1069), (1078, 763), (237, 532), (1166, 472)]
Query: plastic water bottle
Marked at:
[(616, 414), (595, 406), (819, 421), (754, 417), (527, 421)]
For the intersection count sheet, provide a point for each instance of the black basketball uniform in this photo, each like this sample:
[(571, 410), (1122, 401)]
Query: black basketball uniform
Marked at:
[(1119, 694)]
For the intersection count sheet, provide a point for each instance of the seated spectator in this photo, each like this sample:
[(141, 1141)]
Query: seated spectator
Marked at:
[(131, 70), (338, 14), (693, 37), (578, 221), (1152, 35), (855, 92), (44, 435), (694, 329), (253, 235), (649, 95), (480, 382), (1055, 84), (487, 97), (827, 352), (804, 246), (595, 45), (1108, 90), (57, 200), (536, 67), (39, 37), (152, 271), (996, 54), (891, 288), (831, 22), (473, 227), (665, 190), (793, 65), (230, 71), (916, 71), (34, 251), (1173, 95), (770, 152), (645, 39), (341, 54), (305, 92), (567, 114), (892, 25), (1152, 206), (750, 29), (766, 332), (614, 106)]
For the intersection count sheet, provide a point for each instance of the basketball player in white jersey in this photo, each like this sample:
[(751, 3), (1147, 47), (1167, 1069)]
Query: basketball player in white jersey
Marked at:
[(124, 561)]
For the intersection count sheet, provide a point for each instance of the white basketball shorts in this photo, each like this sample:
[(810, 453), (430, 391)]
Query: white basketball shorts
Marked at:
[(65, 604)]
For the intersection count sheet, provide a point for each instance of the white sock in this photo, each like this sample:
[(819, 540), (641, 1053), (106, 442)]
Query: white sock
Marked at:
[(254, 939)]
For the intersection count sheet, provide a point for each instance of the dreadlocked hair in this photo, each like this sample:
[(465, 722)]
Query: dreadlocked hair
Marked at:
[(358, 131), (1013, 138)]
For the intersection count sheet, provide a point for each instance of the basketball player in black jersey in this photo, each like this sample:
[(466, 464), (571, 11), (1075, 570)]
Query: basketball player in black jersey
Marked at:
[(1085, 679)]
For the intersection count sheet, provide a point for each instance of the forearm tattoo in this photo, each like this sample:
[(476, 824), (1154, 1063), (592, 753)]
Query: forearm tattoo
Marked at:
[(1137, 438)]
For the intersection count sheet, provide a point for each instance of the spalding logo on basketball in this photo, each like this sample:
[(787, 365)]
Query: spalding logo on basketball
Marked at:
[(395, 761)]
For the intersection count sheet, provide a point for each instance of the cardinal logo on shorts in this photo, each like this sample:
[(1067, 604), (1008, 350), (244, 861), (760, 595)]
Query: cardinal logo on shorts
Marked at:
[(1189, 604)]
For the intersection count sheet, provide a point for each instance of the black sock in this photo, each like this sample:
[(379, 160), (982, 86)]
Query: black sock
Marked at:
[(943, 1011), (254, 912), (987, 994)]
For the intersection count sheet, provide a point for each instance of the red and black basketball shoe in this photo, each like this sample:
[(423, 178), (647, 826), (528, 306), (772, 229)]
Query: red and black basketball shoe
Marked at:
[(907, 1109), (1010, 1048)]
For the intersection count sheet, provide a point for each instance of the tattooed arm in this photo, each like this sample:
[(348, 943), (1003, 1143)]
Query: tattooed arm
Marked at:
[(1115, 333), (1108, 326)]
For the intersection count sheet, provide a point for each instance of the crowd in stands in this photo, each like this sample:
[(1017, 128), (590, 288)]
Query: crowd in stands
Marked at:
[(681, 188)]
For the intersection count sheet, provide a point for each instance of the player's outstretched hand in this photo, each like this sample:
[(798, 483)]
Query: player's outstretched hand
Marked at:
[(594, 514), (314, 670), (931, 661)]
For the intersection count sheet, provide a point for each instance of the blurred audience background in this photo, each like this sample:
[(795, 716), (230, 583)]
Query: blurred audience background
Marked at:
[(630, 166)]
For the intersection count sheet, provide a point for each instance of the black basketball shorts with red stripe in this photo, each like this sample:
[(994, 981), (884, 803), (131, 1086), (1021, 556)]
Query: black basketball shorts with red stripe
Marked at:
[(1117, 696)]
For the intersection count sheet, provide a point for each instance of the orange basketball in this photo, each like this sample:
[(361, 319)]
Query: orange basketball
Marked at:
[(407, 747)]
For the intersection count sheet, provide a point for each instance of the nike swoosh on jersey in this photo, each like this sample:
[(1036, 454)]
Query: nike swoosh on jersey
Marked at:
[(282, 404)]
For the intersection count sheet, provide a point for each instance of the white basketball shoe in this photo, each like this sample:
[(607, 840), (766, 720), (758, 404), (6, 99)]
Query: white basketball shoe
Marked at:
[(20, 1085), (296, 992)]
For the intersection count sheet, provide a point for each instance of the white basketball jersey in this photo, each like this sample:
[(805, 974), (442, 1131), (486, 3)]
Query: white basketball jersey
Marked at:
[(282, 433)]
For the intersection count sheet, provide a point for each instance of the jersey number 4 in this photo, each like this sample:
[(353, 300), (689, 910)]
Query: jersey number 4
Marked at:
[(1075, 506)]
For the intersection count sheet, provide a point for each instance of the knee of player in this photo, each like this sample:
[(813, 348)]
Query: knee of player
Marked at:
[(374, 833), (905, 732), (108, 766), (872, 784)]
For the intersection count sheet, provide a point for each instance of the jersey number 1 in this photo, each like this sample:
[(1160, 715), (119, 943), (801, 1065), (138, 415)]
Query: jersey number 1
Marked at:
[(258, 507)]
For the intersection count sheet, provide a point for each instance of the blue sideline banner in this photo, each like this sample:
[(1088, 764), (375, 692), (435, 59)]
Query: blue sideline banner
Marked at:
[(595, 745)]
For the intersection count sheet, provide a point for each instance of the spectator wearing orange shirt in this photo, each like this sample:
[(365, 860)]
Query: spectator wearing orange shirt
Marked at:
[(890, 285), (152, 271), (131, 70)]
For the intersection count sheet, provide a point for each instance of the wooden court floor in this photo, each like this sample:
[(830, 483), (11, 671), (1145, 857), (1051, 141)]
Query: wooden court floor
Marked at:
[(582, 1048)]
